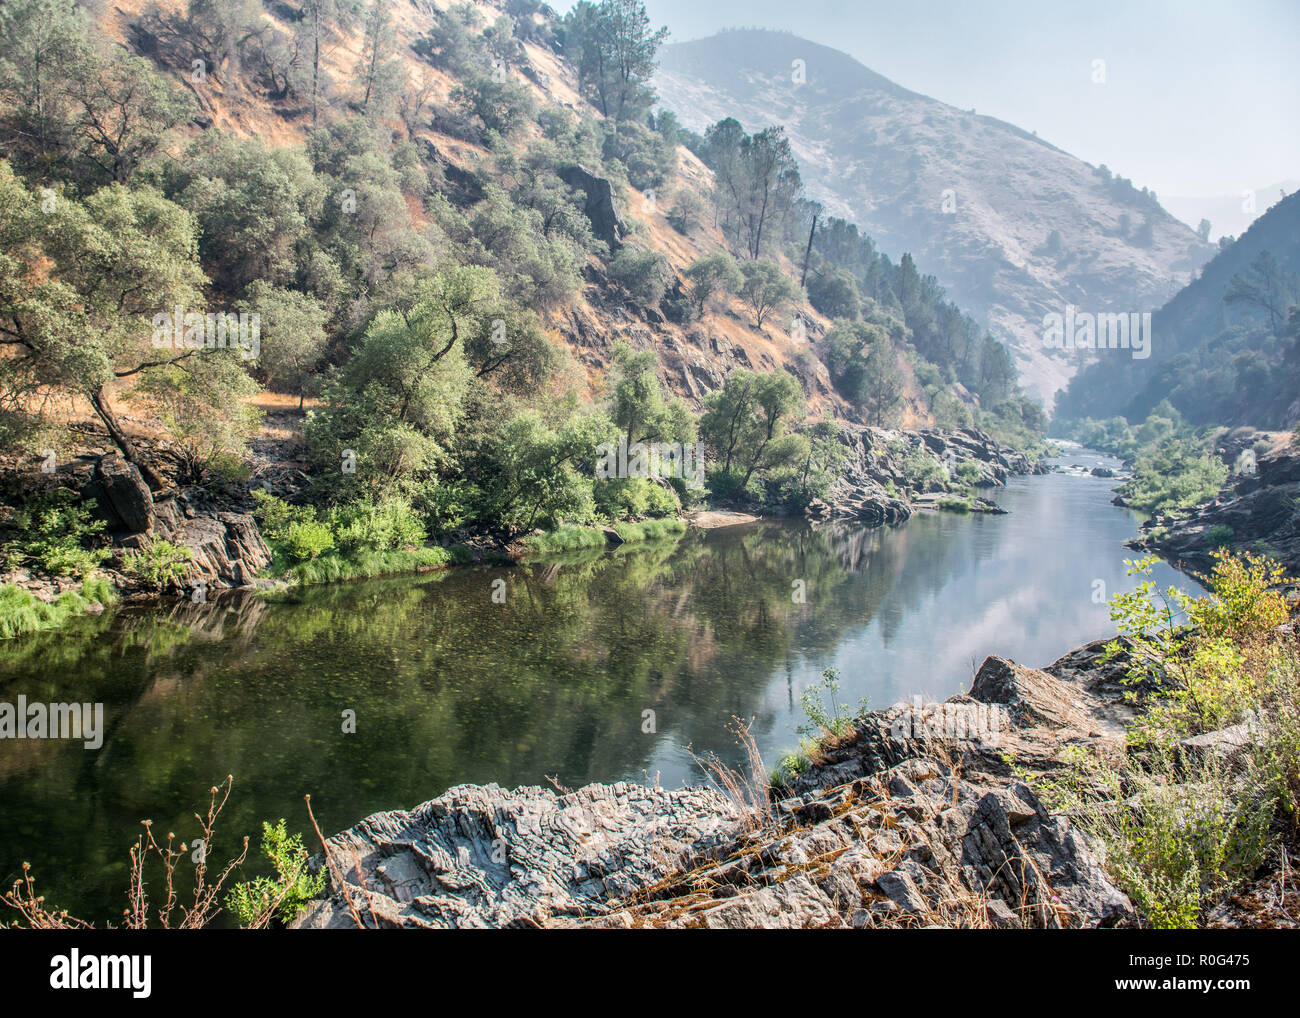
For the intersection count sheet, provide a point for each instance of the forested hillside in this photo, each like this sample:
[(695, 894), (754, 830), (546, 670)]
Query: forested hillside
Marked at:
[(462, 242), (1014, 226), (1225, 350)]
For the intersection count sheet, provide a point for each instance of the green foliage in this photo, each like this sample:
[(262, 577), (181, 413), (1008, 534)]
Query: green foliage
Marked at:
[(1178, 834), (494, 103), (811, 475), (1220, 534), (565, 538), (643, 274), (756, 184), (765, 289), (293, 338), (744, 424), (395, 405), (367, 536), (647, 157), (956, 504), (832, 719), (159, 566), (835, 294), (1175, 473), (22, 613), (1183, 828), (255, 902), (712, 278), (649, 530), (58, 527), (634, 498), (923, 470), (613, 47)]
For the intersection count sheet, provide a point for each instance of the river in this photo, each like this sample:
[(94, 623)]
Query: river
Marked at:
[(592, 667)]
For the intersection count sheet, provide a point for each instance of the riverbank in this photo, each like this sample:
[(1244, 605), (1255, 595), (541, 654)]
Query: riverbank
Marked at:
[(196, 542), (905, 822), (1129, 783)]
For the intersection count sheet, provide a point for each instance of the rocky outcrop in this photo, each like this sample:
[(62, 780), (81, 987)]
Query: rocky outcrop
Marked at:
[(479, 856), (913, 820), (227, 548), (600, 208), (1260, 513), (874, 485), (121, 495)]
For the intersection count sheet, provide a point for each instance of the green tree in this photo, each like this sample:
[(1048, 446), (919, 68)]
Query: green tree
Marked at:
[(614, 48), (765, 288), (712, 276), (882, 383), (391, 412), (293, 338), (79, 286), (745, 420)]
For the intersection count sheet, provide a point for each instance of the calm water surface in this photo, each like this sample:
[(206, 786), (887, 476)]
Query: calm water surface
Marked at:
[(450, 687)]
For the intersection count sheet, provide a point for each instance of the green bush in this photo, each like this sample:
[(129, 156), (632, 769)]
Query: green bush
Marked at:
[(256, 902), (1220, 534), (59, 526), (159, 566), (644, 274)]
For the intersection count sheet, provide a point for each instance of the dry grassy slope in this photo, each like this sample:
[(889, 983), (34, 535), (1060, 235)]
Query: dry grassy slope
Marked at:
[(695, 357)]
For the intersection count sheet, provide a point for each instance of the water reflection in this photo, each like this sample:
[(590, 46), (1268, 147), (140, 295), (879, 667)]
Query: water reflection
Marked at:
[(450, 687)]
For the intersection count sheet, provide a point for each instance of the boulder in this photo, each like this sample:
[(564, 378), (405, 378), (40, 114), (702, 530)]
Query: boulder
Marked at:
[(227, 548), (122, 495), (600, 208)]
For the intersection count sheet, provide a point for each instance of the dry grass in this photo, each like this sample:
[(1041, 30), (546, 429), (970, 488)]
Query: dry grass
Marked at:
[(749, 789), (204, 907)]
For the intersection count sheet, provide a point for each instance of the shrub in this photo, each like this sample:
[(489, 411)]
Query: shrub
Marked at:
[(159, 566), (643, 274), (1220, 534), (255, 902), (60, 525)]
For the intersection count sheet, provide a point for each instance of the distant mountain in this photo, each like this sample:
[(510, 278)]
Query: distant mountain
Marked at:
[(1013, 227), (1230, 215), (1225, 349)]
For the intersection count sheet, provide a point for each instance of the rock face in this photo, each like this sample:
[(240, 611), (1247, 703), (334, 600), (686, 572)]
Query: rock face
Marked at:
[(1260, 513), (873, 485), (913, 820), (227, 547), (122, 495), (479, 856), (600, 208)]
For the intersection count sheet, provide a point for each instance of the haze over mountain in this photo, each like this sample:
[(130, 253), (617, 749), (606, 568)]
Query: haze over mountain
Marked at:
[(1230, 215), (1225, 349), (1012, 226)]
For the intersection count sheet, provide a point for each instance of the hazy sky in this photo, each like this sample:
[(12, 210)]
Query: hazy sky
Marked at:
[(1200, 98)]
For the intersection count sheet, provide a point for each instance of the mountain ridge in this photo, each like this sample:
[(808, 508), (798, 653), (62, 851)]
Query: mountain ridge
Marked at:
[(1014, 226)]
